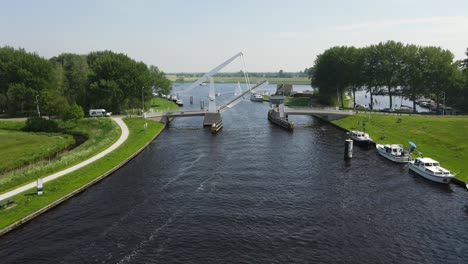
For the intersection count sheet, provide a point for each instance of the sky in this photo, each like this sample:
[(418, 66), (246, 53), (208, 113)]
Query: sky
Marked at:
[(196, 36)]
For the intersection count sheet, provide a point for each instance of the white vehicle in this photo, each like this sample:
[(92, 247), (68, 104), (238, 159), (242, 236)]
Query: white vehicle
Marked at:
[(431, 169), (99, 113)]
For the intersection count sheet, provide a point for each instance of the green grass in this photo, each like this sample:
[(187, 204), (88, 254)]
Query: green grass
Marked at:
[(266, 97), (12, 125), (101, 132), (442, 138), (28, 202), (273, 80), (19, 148), (297, 101), (161, 104)]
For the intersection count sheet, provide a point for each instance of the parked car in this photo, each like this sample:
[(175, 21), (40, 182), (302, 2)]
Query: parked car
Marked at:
[(387, 110), (99, 113)]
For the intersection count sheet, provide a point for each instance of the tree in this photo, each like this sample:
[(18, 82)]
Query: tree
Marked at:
[(74, 112), (389, 66), (116, 81), (159, 80), (332, 72), (439, 71), (356, 81), (74, 70), (370, 78), (413, 73), (27, 74)]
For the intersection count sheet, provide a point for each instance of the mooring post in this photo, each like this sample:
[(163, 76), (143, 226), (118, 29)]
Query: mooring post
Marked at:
[(191, 99), (348, 153), (202, 104), (39, 187)]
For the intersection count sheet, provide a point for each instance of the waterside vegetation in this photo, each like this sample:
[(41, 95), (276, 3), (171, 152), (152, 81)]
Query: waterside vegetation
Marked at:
[(392, 68), (28, 202), (96, 133), (440, 137)]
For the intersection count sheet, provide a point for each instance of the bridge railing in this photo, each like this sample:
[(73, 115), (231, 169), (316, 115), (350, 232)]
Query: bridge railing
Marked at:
[(326, 108)]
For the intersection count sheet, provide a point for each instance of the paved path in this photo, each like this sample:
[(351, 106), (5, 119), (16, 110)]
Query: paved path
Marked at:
[(59, 174)]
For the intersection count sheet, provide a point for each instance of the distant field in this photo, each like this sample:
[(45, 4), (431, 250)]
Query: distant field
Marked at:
[(19, 148), (440, 137), (274, 80)]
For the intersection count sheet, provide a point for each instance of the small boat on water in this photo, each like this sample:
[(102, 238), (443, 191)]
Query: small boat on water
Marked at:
[(179, 102), (394, 152), (256, 97), (359, 136), (431, 169)]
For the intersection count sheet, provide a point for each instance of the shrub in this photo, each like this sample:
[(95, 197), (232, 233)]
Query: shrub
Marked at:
[(74, 112), (39, 124)]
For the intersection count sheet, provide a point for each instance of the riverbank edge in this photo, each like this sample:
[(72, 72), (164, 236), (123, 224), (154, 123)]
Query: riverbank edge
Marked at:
[(81, 189), (454, 180)]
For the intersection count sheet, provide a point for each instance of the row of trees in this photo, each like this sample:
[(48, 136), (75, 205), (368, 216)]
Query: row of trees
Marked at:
[(101, 79), (414, 71)]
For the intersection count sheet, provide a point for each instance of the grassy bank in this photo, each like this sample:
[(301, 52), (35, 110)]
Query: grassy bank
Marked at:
[(101, 133), (440, 137), (28, 202), (161, 104), (297, 101), (273, 80), (19, 148)]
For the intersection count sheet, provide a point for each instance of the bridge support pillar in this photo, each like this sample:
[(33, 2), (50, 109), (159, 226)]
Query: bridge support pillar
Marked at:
[(211, 118)]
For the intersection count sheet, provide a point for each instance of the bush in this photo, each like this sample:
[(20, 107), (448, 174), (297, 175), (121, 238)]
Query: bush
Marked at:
[(39, 124), (74, 112)]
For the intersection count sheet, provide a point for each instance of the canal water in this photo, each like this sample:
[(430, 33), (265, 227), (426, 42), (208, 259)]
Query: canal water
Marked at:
[(253, 193)]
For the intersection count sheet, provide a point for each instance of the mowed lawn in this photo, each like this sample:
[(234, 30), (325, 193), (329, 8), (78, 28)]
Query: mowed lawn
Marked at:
[(161, 104), (18, 148), (443, 138)]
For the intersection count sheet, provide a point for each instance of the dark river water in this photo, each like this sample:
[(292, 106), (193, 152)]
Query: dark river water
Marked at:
[(252, 193)]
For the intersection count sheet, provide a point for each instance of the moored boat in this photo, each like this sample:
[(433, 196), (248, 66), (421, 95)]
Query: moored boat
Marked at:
[(394, 152), (256, 97), (179, 102), (431, 169), (359, 136)]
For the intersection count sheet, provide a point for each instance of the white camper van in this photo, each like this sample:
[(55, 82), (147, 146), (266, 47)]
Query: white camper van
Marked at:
[(99, 113)]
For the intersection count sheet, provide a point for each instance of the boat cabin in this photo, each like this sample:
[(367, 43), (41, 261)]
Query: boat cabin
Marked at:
[(395, 150)]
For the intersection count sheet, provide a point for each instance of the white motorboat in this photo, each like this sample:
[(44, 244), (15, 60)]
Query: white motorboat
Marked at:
[(256, 97), (359, 136), (394, 152), (431, 169), (179, 102)]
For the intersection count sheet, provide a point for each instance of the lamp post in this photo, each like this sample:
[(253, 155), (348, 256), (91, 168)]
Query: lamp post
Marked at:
[(37, 106), (443, 106), (143, 102)]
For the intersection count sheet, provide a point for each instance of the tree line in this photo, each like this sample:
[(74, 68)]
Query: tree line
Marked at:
[(101, 79), (413, 71)]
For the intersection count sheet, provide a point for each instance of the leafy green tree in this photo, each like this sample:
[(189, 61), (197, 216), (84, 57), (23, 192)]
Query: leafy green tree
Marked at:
[(74, 112), (159, 80), (439, 71), (53, 104), (20, 96), (27, 75), (389, 66), (74, 70), (413, 73), (116, 81), (332, 72), (370, 79)]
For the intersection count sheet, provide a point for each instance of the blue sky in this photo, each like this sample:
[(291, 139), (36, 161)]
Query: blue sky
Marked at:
[(193, 36)]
